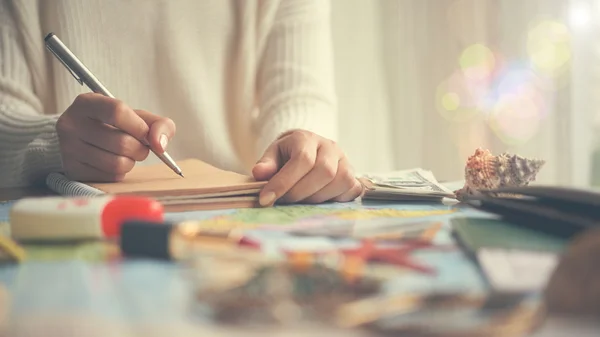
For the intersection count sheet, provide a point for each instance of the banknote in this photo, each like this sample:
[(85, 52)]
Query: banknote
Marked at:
[(413, 180)]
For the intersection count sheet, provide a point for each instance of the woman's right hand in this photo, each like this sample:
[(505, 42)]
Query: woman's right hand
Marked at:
[(101, 138)]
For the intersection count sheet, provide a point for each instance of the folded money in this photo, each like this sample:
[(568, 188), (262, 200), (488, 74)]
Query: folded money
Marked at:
[(407, 185)]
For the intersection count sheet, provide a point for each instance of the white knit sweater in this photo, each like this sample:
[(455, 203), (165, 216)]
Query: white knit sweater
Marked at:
[(233, 75)]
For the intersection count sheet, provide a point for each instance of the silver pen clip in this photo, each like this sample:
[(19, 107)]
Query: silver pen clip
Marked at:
[(65, 64)]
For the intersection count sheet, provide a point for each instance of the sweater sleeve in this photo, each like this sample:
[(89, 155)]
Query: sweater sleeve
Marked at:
[(29, 147), (295, 77)]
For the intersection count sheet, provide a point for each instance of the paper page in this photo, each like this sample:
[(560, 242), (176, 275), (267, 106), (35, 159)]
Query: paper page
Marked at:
[(517, 270)]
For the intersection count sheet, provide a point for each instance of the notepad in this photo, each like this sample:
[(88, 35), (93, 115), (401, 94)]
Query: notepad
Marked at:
[(204, 186), (513, 270), (512, 258)]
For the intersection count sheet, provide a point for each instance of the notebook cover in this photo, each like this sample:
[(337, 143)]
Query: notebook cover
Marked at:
[(476, 233), (200, 179), (557, 195), (561, 219)]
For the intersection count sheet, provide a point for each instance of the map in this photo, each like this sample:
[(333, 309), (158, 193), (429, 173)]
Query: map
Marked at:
[(324, 219), (340, 218)]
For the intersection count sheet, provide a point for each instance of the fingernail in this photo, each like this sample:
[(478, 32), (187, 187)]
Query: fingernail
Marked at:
[(163, 142), (267, 198)]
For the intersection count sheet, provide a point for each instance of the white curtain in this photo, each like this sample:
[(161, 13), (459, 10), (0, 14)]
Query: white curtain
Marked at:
[(423, 83)]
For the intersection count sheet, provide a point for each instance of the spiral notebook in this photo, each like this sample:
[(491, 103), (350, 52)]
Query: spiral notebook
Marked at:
[(204, 187)]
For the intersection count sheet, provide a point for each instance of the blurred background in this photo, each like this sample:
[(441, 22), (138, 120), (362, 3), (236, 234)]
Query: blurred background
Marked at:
[(423, 83)]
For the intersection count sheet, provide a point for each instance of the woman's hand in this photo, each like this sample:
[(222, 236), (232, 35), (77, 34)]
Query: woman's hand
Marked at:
[(101, 138), (301, 166)]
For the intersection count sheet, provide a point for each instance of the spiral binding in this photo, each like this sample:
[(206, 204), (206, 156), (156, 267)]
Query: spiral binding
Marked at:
[(62, 185)]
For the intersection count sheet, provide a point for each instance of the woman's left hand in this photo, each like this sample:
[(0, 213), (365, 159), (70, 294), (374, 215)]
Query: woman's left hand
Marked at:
[(301, 166)]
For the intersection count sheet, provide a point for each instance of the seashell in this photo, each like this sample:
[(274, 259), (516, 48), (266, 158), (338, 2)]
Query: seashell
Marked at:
[(486, 171)]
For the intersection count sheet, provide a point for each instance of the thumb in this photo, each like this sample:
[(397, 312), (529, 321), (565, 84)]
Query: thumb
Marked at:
[(268, 164), (162, 129)]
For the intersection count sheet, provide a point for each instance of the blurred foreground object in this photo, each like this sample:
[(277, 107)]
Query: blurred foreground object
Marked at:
[(11, 251), (574, 287), (487, 171), (247, 287), (446, 314), (5, 303), (60, 219)]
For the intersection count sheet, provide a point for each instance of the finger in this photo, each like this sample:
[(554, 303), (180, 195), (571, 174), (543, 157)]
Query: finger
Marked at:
[(82, 172), (102, 160), (302, 160), (321, 176), (353, 193), (161, 130), (342, 182), (112, 112), (113, 140), (268, 164)]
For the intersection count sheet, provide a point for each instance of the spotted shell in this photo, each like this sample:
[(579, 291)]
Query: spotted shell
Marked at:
[(487, 171)]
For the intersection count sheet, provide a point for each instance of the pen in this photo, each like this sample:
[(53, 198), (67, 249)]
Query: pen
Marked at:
[(83, 75)]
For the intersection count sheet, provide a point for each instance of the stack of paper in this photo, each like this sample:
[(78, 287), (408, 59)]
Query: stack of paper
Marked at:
[(204, 187), (407, 185)]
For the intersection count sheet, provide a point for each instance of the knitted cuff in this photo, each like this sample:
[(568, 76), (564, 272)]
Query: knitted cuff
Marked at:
[(314, 117)]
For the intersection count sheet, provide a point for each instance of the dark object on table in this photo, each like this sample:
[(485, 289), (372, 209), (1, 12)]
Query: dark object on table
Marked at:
[(560, 211), (475, 234), (574, 287)]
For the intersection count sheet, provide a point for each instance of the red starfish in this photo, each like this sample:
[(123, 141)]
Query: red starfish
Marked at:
[(357, 258), (368, 251)]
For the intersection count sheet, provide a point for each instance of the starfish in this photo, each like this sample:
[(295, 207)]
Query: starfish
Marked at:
[(355, 259), (400, 256)]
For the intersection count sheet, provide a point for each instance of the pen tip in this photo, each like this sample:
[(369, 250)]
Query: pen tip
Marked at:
[(181, 174)]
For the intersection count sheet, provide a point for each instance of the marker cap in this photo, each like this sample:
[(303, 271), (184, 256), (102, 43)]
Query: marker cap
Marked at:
[(123, 208), (146, 239)]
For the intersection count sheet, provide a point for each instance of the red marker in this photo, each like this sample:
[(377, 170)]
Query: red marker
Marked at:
[(62, 218)]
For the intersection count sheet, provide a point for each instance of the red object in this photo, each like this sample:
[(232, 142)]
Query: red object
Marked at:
[(125, 208), (248, 243), (400, 256)]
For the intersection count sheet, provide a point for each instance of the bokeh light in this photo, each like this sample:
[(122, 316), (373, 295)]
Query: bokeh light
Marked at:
[(517, 104), (450, 101), (548, 46), (519, 80), (511, 95), (515, 119), (580, 15), (461, 96), (457, 98), (477, 62), (511, 98)]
